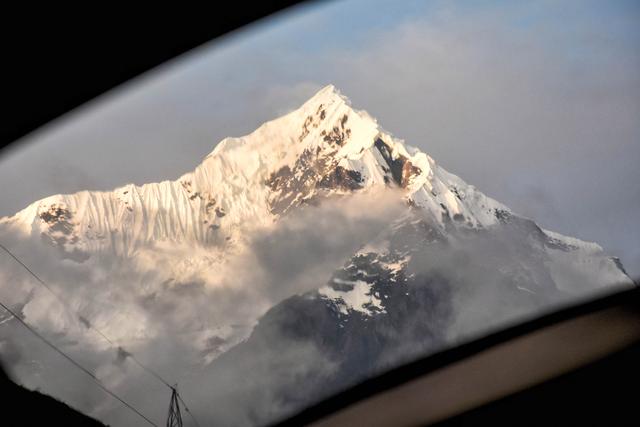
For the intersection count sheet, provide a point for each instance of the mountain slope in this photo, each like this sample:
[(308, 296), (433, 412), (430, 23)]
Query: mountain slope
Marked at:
[(172, 262), (417, 292), (324, 148), (43, 410)]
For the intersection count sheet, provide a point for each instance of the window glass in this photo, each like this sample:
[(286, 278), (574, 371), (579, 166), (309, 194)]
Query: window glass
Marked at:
[(319, 197)]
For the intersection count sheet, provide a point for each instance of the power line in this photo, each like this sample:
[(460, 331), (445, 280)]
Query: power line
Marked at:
[(83, 319), (186, 408), (90, 325), (76, 364), (31, 272)]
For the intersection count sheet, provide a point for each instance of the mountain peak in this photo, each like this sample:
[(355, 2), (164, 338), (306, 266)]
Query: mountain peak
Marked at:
[(323, 149), (327, 94), (321, 111), (198, 259)]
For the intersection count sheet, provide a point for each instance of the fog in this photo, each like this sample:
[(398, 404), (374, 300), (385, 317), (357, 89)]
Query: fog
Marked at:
[(175, 328), (464, 283)]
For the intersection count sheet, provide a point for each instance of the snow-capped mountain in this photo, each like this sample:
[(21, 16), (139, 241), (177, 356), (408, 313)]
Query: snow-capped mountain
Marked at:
[(451, 262), (322, 149)]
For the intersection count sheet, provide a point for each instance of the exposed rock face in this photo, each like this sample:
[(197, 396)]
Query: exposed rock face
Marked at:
[(452, 262), (312, 176), (323, 149), (418, 291), (401, 168)]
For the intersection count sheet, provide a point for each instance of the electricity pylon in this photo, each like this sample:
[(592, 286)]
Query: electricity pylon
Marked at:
[(174, 419)]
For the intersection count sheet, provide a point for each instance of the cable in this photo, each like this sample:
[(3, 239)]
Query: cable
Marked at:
[(83, 319), (89, 325), (31, 272), (186, 408), (76, 364)]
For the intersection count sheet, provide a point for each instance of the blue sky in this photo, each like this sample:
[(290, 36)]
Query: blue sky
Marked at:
[(537, 103)]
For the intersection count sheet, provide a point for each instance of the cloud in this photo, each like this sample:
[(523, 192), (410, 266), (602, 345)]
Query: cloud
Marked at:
[(509, 96), (510, 106), (304, 248), (175, 326)]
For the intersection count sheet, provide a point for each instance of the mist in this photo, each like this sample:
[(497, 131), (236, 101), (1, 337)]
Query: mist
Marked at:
[(176, 328), (230, 335)]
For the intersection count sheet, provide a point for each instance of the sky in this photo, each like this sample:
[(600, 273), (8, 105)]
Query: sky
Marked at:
[(536, 103)]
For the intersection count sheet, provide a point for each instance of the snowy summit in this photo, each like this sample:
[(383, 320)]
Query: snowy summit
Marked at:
[(323, 148), (194, 262)]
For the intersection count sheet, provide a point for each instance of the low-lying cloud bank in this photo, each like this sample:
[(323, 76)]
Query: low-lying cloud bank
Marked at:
[(174, 327)]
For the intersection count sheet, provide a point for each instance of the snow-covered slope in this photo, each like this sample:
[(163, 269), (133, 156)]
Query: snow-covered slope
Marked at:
[(323, 148), (171, 265)]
